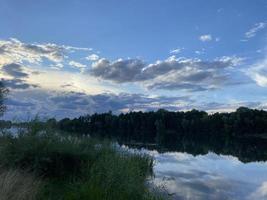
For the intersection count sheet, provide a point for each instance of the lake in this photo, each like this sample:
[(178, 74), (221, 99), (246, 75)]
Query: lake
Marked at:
[(209, 176), (204, 175)]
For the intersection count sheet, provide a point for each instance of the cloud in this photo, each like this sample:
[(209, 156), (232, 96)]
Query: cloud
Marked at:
[(92, 57), (76, 48), (199, 52), (136, 102), (176, 51), (205, 38), (172, 73), (260, 193), (15, 51), (14, 70), (16, 103), (73, 104), (57, 66), (256, 28), (49, 103), (18, 84), (190, 79), (118, 71), (169, 74), (77, 64), (233, 60), (258, 72), (18, 77), (212, 107)]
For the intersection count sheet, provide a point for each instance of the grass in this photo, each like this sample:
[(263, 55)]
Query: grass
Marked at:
[(17, 185), (71, 168)]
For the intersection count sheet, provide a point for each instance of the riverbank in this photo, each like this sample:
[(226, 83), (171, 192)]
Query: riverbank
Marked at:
[(61, 167)]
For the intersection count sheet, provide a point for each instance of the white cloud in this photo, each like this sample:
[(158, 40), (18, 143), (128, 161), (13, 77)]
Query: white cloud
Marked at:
[(77, 64), (92, 57), (253, 31), (234, 60), (77, 48), (176, 51), (57, 66), (15, 51), (199, 52), (258, 72), (205, 38), (260, 193)]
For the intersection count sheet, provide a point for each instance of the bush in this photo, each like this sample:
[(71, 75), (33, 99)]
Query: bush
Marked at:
[(46, 155)]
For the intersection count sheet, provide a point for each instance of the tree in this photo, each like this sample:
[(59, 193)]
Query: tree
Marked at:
[(3, 92), (160, 134)]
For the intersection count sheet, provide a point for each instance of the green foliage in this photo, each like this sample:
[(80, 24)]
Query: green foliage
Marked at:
[(117, 176), (74, 168)]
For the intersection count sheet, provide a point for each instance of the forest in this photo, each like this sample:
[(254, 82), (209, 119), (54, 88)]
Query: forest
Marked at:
[(166, 127)]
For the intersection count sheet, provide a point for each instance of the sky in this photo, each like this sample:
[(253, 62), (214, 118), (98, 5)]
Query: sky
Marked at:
[(70, 58)]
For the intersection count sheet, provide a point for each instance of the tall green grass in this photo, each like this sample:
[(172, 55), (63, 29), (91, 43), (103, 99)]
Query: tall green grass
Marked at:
[(72, 168)]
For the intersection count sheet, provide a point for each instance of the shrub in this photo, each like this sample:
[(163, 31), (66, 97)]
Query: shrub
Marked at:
[(46, 155)]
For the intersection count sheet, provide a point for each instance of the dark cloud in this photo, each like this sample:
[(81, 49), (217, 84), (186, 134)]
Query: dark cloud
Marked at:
[(71, 100), (172, 73), (119, 71), (177, 86), (15, 70), (13, 102), (115, 102), (66, 85), (74, 104), (28, 103), (45, 49), (17, 84)]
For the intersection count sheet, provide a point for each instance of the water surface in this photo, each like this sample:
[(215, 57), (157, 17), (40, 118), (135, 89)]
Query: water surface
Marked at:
[(210, 176)]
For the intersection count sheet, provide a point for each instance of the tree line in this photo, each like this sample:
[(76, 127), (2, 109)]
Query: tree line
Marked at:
[(165, 127), (242, 133)]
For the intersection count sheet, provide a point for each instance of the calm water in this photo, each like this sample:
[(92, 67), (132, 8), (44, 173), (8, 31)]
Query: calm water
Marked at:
[(210, 176)]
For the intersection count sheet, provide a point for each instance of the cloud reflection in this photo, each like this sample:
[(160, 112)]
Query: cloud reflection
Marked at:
[(210, 176)]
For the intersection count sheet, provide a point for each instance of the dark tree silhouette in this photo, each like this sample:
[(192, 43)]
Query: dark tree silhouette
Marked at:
[(166, 127), (3, 92)]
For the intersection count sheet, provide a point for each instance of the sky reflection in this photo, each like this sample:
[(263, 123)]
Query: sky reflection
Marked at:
[(210, 176)]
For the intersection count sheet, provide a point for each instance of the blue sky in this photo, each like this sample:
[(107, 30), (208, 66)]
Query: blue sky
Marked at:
[(67, 58)]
